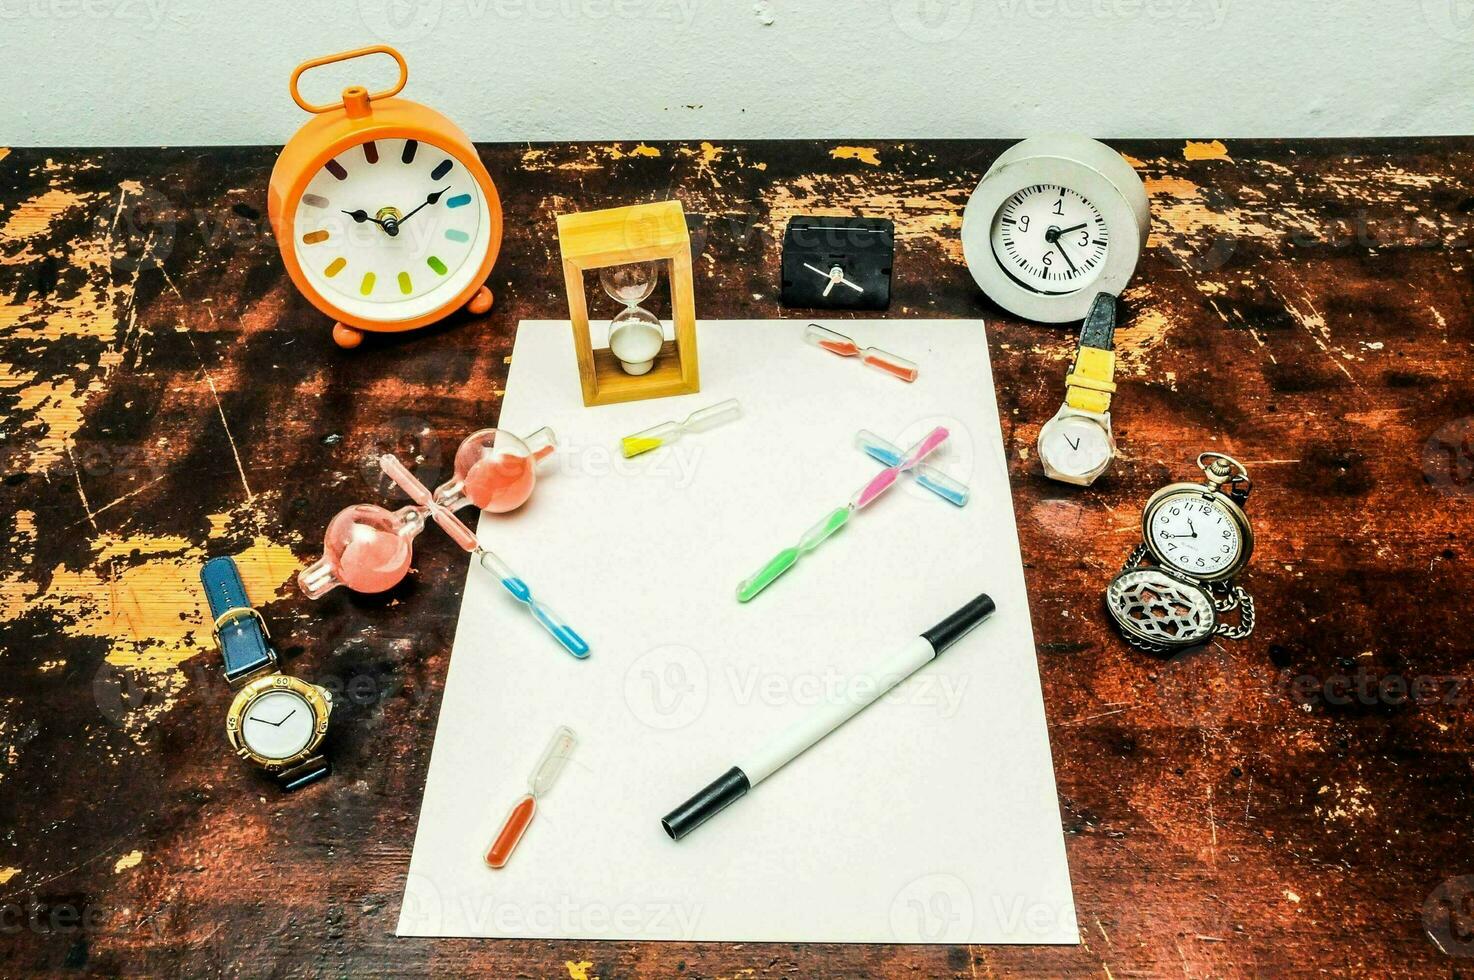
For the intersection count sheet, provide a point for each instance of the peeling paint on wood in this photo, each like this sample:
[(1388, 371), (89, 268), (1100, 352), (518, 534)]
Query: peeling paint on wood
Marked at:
[(166, 396)]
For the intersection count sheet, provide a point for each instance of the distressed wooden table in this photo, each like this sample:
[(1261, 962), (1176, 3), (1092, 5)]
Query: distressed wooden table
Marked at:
[(1295, 804)]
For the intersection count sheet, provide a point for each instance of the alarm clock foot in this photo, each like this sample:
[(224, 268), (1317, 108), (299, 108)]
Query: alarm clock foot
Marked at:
[(345, 336), (481, 302)]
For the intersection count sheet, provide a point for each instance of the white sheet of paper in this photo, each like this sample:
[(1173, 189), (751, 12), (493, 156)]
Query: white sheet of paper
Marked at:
[(929, 818)]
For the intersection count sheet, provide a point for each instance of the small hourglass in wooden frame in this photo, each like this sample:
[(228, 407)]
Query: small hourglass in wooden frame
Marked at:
[(642, 233)]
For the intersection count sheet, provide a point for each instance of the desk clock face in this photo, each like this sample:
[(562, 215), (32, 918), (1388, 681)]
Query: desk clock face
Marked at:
[(391, 229), (1050, 239)]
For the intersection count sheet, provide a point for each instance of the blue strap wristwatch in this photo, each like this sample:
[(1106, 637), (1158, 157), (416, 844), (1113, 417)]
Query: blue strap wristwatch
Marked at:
[(276, 721)]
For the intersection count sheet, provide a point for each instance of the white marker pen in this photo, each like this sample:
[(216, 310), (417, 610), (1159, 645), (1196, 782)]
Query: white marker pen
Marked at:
[(789, 745)]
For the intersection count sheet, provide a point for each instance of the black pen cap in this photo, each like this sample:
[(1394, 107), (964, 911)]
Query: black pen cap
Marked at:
[(715, 798), (960, 623)]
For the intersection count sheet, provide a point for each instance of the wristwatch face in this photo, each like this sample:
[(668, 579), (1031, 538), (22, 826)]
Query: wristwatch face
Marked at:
[(276, 721), (278, 724), (1196, 531), (1074, 448)]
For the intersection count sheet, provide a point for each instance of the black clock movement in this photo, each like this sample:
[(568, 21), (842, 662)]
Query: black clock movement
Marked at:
[(838, 263)]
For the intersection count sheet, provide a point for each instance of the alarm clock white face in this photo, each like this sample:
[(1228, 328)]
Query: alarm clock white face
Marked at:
[(1194, 534), (391, 229), (1050, 239), (278, 724)]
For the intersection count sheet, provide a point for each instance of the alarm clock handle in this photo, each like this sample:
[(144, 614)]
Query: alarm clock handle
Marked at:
[(356, 95)]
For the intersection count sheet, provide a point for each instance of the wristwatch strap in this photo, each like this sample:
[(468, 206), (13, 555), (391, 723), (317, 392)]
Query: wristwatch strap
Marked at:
[(240, 631), (307, 772), (1090, 382)]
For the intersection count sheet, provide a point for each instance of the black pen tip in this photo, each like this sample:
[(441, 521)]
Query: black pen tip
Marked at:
[(960, 623)]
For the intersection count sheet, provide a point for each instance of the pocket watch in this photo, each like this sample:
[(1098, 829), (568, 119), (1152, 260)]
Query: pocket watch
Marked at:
[(1177, 584), (275, 721), (1076, 445)]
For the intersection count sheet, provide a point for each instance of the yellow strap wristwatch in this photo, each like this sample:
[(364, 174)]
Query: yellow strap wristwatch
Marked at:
[(1076, 445)]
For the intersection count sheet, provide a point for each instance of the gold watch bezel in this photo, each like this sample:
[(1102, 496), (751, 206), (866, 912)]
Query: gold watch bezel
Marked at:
[(1235, 513), (316, 699)]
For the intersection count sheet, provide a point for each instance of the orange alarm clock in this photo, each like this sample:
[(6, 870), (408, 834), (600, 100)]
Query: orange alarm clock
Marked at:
[(384, 215)]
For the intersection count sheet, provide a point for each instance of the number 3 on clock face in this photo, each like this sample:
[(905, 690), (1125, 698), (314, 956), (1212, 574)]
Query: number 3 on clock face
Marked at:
[(1196, 533)]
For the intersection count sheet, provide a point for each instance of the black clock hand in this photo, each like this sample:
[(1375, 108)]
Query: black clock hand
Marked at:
[(1191, 528), (275, 724), (1062, 251), (1066, 231), (431, 199), (1051, 237), (1073, 445), (361, 216)]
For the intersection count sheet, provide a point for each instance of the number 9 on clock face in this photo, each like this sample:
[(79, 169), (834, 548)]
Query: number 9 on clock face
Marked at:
[(1202, 534)]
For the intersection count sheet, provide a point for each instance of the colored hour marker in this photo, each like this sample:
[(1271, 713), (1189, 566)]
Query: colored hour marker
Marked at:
[(336, 169), (404, 284), (371, 152), (435, 263), (313, 237), (335, 267), (459, 201), (456, 235), (410, 146), (441, 169), (314, 200), (367, 286)]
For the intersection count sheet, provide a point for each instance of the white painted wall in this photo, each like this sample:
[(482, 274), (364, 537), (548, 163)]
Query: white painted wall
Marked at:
[(211, 71)]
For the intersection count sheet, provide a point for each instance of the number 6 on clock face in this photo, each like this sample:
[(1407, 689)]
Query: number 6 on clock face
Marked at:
[(1201, 533)]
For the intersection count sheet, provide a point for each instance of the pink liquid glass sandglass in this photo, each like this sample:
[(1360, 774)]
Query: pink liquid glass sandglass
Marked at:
[(495, 470), (366, 548)]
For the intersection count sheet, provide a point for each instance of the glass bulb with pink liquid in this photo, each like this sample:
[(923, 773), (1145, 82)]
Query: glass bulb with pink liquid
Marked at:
[(366, 548), (495, 470)]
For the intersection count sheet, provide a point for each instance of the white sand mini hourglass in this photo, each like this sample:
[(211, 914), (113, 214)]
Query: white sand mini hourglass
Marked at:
[(635, 335)]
